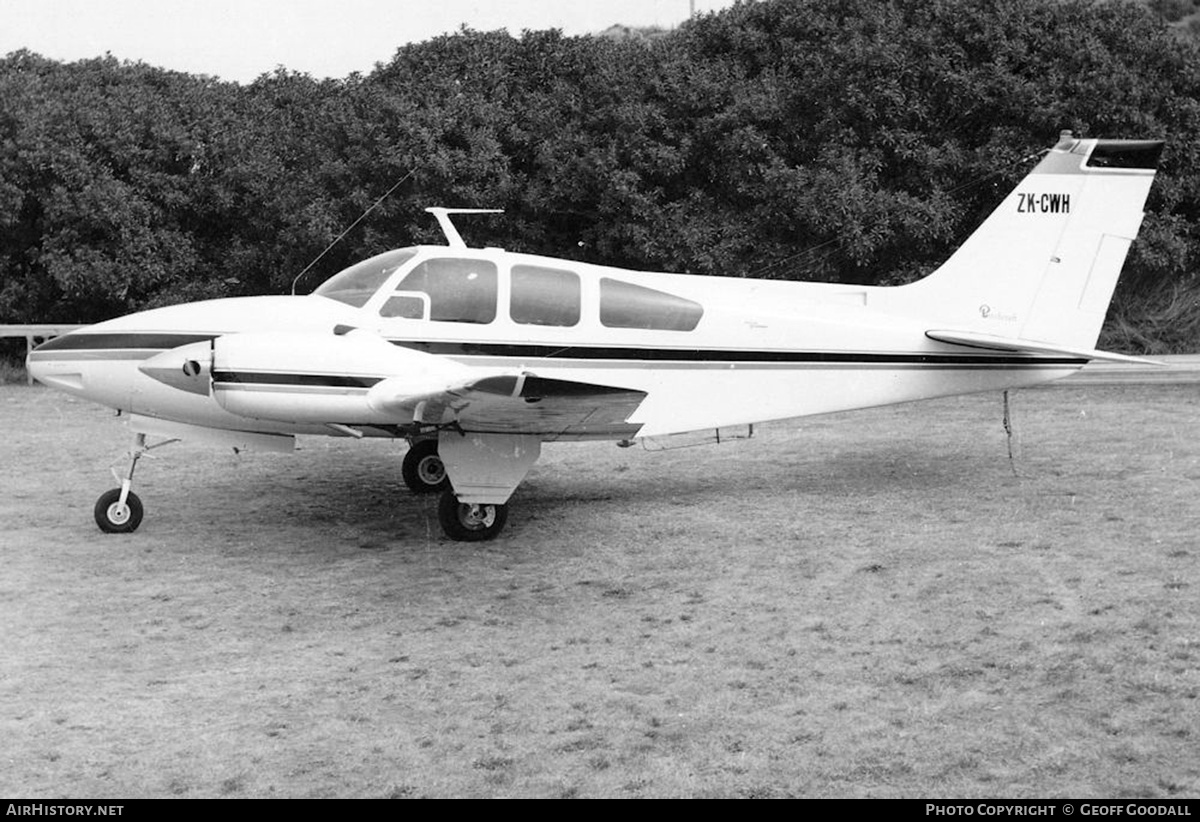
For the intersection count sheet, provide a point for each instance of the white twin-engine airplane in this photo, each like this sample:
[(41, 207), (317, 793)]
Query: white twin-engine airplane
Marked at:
[(478, 356)]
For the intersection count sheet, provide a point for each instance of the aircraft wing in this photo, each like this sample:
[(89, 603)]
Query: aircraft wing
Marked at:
[(335, 380), (516, 404), (973, 339)]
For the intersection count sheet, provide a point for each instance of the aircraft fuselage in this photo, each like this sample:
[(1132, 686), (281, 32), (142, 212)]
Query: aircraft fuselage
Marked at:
[(719, 352)]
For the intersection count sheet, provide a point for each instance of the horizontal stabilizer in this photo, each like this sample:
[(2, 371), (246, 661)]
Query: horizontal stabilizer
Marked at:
[(992, 342)]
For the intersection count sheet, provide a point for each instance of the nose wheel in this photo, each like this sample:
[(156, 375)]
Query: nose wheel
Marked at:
[(119, 510), (117, 515)]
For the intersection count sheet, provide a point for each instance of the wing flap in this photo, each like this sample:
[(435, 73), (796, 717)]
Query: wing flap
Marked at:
[(992, 342), (521, 403)]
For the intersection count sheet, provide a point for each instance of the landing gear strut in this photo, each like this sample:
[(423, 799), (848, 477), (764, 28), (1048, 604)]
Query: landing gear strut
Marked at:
[(119, 510), (423, 470)]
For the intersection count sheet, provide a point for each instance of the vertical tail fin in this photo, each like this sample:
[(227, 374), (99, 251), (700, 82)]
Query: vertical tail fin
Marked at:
[(1042, 268)]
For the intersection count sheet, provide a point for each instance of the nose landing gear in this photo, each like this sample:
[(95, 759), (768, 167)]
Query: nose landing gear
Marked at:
[(119, 510)]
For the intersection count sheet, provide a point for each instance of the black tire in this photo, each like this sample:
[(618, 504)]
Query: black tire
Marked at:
[(115, 519), (470, 523), (423, 470)]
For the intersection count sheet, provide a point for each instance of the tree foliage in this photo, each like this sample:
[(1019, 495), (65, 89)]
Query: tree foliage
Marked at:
[(845, 140)]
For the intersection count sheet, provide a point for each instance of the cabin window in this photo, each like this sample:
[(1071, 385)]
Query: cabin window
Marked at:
[(459, 291), (544, 296), (625, 305), (358, 283)]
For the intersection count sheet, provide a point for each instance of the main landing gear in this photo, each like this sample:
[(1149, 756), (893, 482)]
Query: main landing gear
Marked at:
[(119, 510), (469, 521), (476, 474), (423, 470), (425, 473)]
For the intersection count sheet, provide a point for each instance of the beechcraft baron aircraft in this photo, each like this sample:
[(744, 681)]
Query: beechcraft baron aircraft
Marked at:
[(478, 356)]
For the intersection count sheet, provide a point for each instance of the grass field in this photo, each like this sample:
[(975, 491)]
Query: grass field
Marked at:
[(869, 604)]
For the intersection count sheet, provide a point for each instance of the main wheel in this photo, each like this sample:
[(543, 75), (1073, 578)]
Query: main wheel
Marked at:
[(115, 518), (423, 470), (468, 522)]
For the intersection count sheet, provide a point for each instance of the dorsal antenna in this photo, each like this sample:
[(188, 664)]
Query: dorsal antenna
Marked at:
[(361, 217), (453, 238)]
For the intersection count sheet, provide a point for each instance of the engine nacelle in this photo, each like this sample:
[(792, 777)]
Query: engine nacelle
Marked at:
[(319, 378)]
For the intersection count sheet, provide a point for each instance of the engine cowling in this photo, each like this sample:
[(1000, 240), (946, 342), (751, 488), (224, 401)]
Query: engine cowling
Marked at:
[(322, 378)]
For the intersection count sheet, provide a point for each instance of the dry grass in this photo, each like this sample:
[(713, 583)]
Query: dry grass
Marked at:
[(869, 604), (11, 372)]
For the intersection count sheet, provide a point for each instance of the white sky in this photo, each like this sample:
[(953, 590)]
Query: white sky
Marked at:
[(241, 39)]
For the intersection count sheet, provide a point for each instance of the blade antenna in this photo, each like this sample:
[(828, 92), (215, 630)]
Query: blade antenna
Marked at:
[(453, 238), (361, 217)]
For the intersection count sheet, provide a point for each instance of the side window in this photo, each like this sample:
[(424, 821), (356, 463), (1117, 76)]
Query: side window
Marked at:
[(544, 296), (625, 305), (459, 291), (406, 306)]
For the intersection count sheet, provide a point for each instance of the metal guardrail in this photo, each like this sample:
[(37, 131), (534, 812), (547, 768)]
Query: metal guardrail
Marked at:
[(35, 334)]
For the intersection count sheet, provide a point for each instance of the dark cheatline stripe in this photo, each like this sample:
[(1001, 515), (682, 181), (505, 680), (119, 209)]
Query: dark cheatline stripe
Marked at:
[(559, 352), (321, 380), (80, 341)]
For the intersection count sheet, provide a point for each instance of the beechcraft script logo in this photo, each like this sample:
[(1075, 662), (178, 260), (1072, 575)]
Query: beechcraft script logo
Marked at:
[(1043, 203)]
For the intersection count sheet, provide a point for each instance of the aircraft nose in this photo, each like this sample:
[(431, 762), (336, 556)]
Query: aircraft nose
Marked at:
[(57, 363), (90, 362)]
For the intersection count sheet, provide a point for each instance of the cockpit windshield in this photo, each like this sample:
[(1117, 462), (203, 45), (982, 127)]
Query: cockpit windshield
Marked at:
[(358, 283)]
